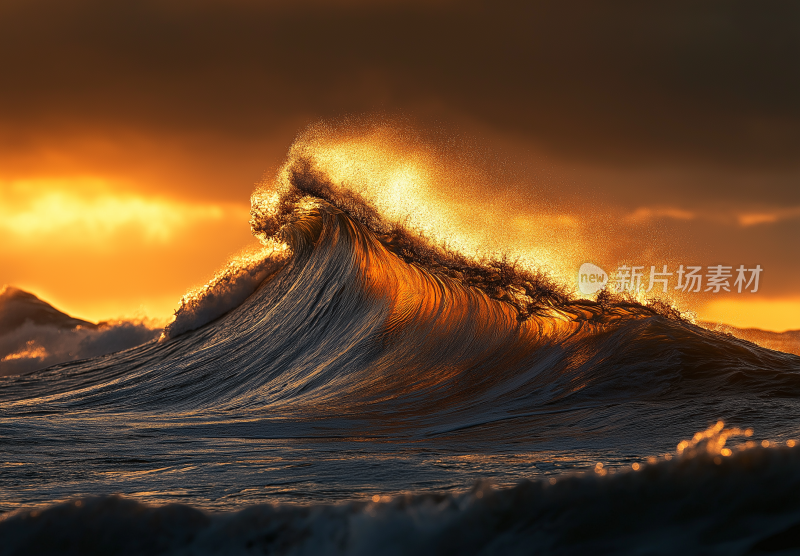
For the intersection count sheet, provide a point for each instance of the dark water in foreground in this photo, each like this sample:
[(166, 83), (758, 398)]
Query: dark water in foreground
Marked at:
[(353, 375)]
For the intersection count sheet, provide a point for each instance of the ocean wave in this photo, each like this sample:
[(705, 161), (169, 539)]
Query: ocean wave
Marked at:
[(229, 287), (709, 499), (343, 320), (34, 335), (304, 180), (357, 351)]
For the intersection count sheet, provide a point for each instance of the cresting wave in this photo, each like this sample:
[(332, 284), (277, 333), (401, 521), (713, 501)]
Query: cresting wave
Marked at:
[(357, 301), (342, 318), (390, 207), (301, 184), (357, 353)]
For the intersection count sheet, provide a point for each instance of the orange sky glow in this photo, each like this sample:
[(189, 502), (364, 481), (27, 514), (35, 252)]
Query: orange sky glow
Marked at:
[(97, 249), (129, 149), (101, 248)]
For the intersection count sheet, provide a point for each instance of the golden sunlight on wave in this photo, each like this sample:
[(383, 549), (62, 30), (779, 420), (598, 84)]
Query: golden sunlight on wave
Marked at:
[(452, 203), (30, 351), (455, 203)]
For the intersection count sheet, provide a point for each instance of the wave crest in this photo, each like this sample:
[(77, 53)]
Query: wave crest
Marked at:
[(305, 180), (229, 287)]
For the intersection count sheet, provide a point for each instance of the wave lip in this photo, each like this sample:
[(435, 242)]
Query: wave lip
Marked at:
[(227, 289)]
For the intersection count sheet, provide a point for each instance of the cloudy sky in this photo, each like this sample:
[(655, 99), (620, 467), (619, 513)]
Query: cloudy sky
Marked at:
[(132, 132)]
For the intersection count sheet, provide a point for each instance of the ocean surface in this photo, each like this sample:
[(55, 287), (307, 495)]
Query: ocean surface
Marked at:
[(354, 389)]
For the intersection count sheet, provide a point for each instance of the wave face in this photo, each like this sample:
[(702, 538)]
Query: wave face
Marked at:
[(346, 323), (369, 361)]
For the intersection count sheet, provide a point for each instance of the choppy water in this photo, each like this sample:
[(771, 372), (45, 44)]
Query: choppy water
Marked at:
[(367, 365)]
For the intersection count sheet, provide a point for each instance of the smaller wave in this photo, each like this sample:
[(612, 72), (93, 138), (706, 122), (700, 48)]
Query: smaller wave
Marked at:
[(706, 499), (35, 335), (32, 347), (229, 287)]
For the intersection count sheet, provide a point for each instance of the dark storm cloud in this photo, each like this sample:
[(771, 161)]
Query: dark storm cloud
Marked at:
[(628, 83)]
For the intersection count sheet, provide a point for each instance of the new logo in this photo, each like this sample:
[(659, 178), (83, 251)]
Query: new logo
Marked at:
[(591, 278)]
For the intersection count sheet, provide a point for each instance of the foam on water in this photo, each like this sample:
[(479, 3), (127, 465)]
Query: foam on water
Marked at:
[(35, 335), (357, 355), (227, 289), (697, 502)]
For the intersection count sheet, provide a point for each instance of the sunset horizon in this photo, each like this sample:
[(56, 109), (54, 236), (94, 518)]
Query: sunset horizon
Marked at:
[(375, 277)]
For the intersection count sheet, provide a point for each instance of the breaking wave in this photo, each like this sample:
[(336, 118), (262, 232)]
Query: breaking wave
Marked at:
[(361, 336), (35, 335), (352, 298)]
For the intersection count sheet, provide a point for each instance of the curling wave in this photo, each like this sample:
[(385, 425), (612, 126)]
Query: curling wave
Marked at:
[(357, 354), (342, 318)]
